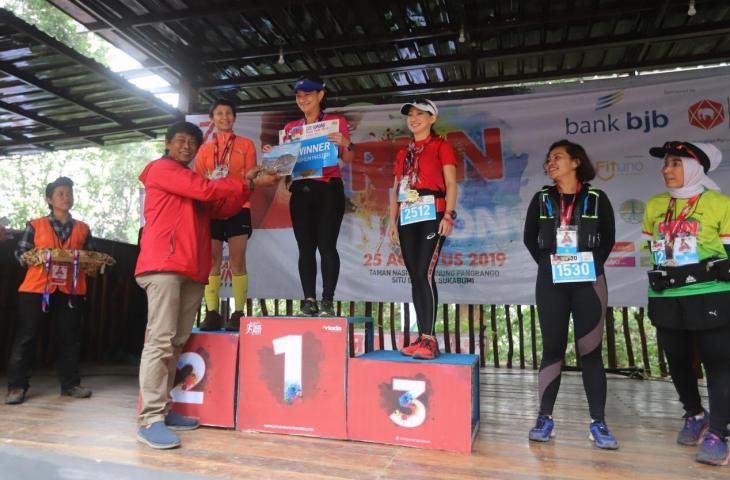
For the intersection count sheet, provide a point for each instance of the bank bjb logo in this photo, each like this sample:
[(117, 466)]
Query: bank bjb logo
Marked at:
[(706, 114), (632, 211)]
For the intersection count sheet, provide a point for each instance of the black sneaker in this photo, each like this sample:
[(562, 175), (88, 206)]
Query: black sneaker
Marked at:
[(15, 396), (308, 308), (326, 308), (77, 392), (234, 323), (213, 321)]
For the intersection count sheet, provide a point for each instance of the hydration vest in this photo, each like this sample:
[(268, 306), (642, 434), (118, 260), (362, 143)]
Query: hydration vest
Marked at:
[(585, 217)]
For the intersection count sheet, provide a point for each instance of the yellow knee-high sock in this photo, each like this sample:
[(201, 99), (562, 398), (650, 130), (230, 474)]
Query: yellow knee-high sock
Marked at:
[(212, 297), (240, 291)]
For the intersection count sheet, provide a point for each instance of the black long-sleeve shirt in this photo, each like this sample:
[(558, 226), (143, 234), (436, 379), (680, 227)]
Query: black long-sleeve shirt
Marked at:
[(606, 227)]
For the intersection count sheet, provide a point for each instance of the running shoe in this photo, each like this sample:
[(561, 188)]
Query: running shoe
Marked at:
[(234, 323), (308, 308), (693, 429), (543, 429), (410, 349), (602, 436), (713, 450), (213, 321), (428, 349), (326, 308)]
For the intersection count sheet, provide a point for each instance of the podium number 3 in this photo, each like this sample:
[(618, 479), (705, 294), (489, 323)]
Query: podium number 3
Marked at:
[(291, 347), (415, 411)]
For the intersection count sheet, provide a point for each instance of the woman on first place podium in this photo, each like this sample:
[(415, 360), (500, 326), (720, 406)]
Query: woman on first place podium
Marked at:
[(317, 205)]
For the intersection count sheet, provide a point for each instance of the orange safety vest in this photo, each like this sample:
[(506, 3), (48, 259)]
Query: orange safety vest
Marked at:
[(45, 237)]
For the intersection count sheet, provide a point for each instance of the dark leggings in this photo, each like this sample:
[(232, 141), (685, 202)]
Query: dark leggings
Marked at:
[(316, 210), (421, 244), (714, 350), (586, 301), (66, 326)]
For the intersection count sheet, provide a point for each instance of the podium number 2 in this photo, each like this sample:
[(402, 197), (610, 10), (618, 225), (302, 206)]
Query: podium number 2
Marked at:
[(291, 347), (416, 410)]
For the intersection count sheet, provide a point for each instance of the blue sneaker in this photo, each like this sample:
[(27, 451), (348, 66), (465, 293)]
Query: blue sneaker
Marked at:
[(713, 450), (602, 436), (175, 421), (693, 429), (158, 436), (543, 429)]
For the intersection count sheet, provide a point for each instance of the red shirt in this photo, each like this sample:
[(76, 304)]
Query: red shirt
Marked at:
[(436, 153), (328, 172)]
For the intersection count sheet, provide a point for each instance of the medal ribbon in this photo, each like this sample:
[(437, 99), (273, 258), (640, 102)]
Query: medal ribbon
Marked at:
[(671, 232), (74, 279), (410, 166), (46, 296), (227, 150), (566, 213)]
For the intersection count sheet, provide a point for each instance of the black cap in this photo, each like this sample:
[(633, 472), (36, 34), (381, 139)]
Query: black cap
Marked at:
[(682, 149)]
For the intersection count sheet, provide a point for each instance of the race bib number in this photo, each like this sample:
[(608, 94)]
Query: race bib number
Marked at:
[(685, 249), (59, 274), (566, 240), (658, 250), (578, 267), (421, 210)]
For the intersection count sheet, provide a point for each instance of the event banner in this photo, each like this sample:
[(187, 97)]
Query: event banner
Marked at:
[(500, 145)]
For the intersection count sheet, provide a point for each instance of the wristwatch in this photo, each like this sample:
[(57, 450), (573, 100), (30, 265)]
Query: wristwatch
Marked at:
[(350, 147), (452, 214)]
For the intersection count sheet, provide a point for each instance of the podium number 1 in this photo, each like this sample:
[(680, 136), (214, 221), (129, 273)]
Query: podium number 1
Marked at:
[(291, 347), (416, 410)]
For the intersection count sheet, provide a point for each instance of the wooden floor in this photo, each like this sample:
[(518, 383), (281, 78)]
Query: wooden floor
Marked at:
[(95, 438)]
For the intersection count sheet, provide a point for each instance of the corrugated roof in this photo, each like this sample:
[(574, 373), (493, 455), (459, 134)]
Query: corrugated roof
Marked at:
[(52, 97), (380, 49)]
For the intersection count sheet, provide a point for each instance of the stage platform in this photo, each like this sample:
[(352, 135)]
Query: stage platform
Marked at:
[(50, 437)]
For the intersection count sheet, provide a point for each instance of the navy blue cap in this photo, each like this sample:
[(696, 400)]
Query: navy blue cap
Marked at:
[(307, 85)]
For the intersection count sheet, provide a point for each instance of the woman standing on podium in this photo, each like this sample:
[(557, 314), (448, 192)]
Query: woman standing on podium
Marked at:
[(317, 205), (422, 214), (688, 230), (228, 155), (570, 231)]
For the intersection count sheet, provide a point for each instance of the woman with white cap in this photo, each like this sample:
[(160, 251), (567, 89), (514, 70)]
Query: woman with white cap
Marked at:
[(422, 214), (688, 228), (317, 205)]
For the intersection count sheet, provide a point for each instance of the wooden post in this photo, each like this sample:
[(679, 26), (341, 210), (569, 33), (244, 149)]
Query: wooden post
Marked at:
[(482, 339), (533, 334), (642, 338), (495, 344), (447, 335), (510, 342), (472, 345), (521, 320), (627, 336)]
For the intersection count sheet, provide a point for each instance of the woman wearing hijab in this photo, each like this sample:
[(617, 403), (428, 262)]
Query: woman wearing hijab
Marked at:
[(688, 228)]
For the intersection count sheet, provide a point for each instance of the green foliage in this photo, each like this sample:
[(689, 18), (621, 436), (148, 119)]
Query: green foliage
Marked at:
[(54, 22), (106, 187)]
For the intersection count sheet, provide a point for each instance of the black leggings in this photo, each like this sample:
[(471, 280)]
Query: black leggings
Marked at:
[(714, 350), (586, 301), (421, 244), (316, 210)]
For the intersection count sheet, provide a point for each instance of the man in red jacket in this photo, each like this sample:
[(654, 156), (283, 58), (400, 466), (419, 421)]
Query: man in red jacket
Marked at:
[(173, 267)]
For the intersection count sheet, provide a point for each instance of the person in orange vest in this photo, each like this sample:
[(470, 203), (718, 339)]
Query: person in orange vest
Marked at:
[(53, 292), (228, 155)]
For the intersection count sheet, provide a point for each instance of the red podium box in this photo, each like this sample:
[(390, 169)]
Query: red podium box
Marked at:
[(416, 403), (205, 384), (292, 375)]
